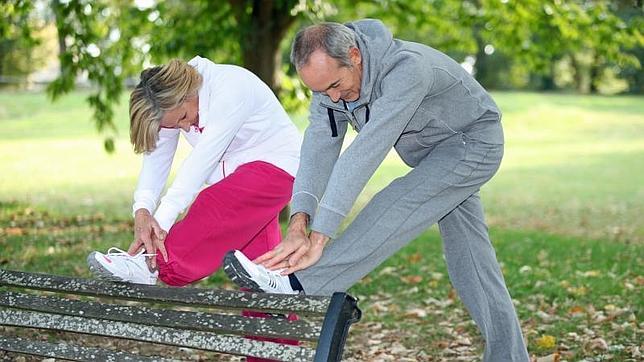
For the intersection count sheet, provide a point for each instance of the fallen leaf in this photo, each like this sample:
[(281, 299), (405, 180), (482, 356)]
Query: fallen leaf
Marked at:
[(13, 231), (598, 344), (412, 279), (416, 313), (415, 258), (546, 341), (555, 357)]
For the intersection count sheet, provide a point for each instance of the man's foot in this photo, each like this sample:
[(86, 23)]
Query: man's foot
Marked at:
[(119, 266), (255, 277)]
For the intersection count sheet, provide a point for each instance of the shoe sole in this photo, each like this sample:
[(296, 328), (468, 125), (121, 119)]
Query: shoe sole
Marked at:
[(99, 271), (237, 274)]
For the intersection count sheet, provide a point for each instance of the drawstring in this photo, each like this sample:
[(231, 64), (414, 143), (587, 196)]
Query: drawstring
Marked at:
[(367, 115), (334, 125)]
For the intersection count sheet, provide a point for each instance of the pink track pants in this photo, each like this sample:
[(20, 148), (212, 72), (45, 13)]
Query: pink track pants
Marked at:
[(239, 212)]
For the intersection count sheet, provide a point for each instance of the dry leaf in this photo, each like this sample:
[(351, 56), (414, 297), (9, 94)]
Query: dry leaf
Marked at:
[(412, 279), (415, 258), (14, 231), (549, 358), (599, 344), (546, 341), (416, 313)]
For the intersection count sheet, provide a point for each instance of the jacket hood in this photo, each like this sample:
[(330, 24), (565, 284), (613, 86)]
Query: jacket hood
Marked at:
[(374, 40)]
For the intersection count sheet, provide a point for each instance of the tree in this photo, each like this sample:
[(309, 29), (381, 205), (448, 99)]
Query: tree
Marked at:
[(16, 38), (112, 40)]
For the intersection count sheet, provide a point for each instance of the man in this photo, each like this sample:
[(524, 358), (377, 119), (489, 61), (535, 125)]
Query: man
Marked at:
[(441, 122)]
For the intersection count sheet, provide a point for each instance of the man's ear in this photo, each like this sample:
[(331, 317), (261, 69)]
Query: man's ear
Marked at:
[(355, 56)]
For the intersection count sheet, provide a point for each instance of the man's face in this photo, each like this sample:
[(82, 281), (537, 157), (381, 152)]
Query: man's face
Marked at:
[(326, 75)]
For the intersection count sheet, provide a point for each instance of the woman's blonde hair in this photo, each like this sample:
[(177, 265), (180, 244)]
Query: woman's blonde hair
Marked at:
[(161, 89)]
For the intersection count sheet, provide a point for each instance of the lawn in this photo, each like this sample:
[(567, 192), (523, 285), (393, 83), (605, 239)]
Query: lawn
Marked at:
[(564, 212)]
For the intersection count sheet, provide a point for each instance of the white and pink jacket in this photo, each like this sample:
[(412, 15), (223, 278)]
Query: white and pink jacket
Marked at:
[(240, 120)]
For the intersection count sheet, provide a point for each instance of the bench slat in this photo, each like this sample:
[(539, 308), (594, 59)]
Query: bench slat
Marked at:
[(194, 339), (305, 305), (267, 327), (69, 351)]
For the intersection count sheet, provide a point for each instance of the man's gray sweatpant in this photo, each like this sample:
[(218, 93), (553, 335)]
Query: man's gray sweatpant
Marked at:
[(443, 188)]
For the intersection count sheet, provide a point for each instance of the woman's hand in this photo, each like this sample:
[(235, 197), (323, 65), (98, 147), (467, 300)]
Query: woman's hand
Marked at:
[(148, 235)]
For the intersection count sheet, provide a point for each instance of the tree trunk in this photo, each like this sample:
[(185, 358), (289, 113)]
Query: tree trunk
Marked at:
[(595, 74), (62, 47), (579, 75), (548, 80), (267, 22)]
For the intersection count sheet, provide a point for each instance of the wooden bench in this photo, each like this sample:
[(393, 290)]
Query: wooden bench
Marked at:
[(181, 317)]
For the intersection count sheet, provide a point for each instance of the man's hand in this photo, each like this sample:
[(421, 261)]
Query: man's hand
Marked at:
[(148, 235), (293, 246), (312, 255)]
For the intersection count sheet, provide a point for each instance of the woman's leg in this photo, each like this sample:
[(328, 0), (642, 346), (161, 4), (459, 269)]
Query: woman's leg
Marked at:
[(239, 212)]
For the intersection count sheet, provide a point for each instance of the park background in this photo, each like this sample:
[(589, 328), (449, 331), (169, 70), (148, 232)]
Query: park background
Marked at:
[(565, 210)]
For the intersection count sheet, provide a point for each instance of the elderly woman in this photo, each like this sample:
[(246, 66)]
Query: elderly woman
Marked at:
[(244, 147)]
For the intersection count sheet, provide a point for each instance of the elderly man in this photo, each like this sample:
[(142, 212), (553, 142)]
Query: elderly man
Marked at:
[(441, 122)]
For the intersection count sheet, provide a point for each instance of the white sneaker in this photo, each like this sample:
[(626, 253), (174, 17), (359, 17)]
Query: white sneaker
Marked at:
[(255, 277), (119, 266)]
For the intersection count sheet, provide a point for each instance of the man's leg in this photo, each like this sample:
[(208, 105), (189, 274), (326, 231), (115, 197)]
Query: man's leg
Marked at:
[(475, 273), (454, 170)]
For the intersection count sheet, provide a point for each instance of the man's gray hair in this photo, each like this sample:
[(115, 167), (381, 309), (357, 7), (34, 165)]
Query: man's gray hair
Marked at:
[(333, 38)]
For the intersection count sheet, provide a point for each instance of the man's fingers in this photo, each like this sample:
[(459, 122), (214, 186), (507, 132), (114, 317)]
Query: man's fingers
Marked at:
[(292, 269), (294, 259), (279, 254), (281, 265), (266, 256)]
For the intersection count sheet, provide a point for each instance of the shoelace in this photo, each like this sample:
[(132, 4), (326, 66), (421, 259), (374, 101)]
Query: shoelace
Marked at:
[(114, 251)]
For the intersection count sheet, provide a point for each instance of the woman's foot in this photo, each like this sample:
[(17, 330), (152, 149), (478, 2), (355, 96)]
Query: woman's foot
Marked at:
[(119, 266)]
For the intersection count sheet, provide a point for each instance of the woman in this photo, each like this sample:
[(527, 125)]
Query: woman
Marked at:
[(245, 148)]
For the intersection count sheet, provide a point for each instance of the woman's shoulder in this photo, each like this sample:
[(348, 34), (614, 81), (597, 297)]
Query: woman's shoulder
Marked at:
[(208, 68)]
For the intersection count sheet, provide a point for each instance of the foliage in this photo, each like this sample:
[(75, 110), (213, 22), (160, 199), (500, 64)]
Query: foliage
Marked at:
[(508, 42), (17, 38), (532, 34)]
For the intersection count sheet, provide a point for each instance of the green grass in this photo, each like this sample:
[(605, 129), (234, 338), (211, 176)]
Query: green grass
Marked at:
[(565, 215)]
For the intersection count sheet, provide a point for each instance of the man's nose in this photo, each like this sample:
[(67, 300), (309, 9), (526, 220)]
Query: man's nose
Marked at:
[(334, 95)]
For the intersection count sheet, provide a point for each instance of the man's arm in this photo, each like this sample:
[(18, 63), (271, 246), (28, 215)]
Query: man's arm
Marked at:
[(404, 86), (317, 158)]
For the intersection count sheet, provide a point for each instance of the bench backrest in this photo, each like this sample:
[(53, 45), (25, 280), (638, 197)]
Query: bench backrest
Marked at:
[(173, 316)]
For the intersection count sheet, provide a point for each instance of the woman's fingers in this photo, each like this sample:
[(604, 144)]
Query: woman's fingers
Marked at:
[(135, 247), (160, 235)]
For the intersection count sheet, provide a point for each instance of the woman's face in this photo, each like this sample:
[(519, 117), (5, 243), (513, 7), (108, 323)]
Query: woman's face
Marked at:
[(184, 116)]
